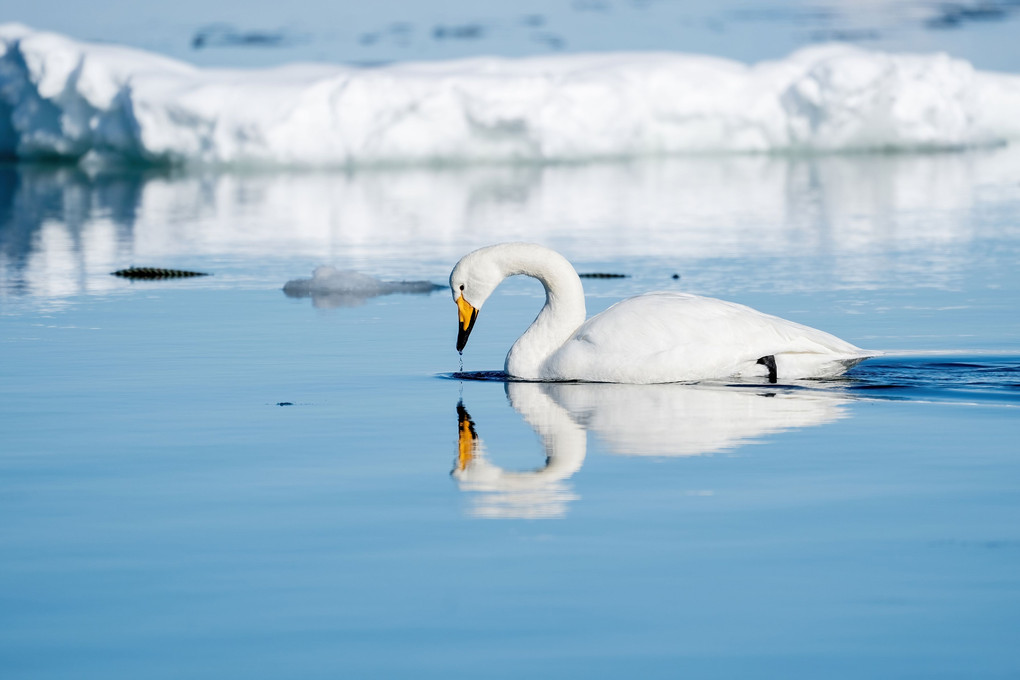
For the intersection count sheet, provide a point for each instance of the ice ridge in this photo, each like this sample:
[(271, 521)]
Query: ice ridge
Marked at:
[(77, 101)]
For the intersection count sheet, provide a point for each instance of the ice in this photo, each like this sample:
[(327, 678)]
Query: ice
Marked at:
[(330, 287), (94, 102)]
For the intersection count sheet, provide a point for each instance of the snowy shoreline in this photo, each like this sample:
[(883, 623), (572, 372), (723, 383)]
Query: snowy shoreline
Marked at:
[(62, 99)]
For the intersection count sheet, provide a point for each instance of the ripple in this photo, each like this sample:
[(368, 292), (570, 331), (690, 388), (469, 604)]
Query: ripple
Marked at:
[(988, 379)]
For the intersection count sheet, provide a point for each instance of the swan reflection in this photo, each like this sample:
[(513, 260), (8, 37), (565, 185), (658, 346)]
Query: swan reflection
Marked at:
[(631, 420), (542, 492)]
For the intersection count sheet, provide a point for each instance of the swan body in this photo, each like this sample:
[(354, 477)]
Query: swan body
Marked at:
[(652, 338)]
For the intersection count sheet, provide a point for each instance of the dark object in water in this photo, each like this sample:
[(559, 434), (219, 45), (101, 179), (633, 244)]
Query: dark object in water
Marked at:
[(676, 276), (550, 40), (226, 35), (463, 32), (603, 275), (284, 403), (484, 376), (153, 273), (845, 35), (955, 14)]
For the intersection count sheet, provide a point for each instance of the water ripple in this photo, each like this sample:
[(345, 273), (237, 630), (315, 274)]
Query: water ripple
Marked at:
[(911, 378)]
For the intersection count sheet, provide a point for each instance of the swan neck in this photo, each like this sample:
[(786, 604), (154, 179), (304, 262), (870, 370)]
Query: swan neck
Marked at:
[(561, 315)]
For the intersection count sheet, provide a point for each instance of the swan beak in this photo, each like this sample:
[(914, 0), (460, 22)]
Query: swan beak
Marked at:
[(468, 314)]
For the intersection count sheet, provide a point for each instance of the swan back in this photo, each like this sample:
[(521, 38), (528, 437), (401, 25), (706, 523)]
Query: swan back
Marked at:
[(673, 337)]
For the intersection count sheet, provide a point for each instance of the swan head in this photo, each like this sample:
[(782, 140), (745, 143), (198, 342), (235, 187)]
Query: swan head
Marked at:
[(479, 272), (472, 282)]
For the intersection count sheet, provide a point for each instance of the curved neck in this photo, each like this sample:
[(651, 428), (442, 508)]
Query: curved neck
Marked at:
[(562, 314)]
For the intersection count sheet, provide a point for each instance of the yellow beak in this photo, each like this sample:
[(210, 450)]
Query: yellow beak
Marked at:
[(467, 315)]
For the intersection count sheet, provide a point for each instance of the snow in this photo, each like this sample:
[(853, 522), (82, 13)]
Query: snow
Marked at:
[(96, 102)]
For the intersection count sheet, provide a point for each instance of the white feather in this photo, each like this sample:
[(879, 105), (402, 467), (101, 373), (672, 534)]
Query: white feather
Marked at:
[(651, 338)]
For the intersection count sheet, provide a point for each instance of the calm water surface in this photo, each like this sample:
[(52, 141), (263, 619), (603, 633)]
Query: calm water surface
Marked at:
[(163, 515)]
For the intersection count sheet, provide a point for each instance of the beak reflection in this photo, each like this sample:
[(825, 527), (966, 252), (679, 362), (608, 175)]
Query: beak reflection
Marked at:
[(539, 493), (466, 439)]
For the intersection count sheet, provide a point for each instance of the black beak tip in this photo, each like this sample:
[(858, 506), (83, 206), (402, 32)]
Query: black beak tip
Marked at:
[(463, 333)]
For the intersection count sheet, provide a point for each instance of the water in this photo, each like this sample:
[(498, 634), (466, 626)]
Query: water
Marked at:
[(208, 478), (236, 33)]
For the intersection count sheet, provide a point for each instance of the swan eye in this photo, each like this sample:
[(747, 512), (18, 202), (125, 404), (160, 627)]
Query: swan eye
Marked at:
[(462, 286)]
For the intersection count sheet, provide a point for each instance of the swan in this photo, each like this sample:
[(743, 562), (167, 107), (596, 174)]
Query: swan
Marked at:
[(652, 338)]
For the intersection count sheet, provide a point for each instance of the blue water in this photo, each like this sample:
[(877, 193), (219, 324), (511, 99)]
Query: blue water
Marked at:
[(207, 478), (246, 33)]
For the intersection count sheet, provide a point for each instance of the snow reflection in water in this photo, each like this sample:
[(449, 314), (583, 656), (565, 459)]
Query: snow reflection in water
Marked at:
[(63, 230)]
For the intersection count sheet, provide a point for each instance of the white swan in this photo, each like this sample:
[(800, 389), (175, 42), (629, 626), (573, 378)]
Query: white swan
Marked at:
[(651, 338)]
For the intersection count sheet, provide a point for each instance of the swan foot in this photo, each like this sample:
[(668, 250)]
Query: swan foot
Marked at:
[(769, 362)]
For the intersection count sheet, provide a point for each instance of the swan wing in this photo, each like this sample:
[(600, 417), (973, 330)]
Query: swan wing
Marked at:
[(671, 337)]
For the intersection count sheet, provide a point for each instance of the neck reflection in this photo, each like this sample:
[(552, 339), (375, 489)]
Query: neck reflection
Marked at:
[(631, 420), (539, 493)]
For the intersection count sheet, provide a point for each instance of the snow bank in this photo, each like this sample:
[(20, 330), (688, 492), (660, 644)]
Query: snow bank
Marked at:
[(74, 100), (330, 287)]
